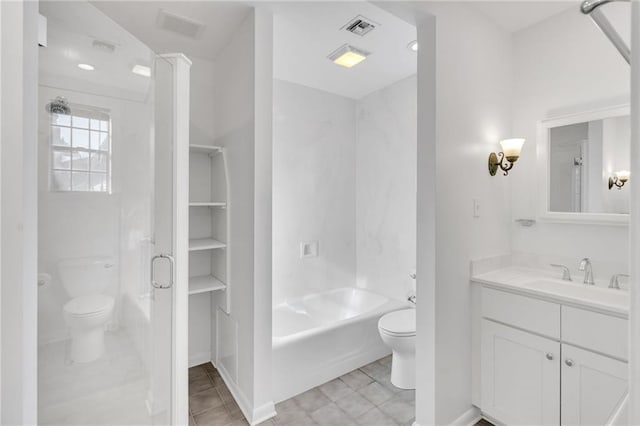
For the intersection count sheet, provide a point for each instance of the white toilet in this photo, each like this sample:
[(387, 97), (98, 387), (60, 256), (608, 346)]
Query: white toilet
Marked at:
[(85, 280), (398, 331)]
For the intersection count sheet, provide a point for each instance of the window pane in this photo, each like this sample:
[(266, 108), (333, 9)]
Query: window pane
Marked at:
[(95, 124), (95, 140), (61, 119), (79, 181), (61, 159), (104, 141), (80, 138), (61, 181), (81, 122), (104, 126), (60, 136), (98, 182), (80, 160), (98, 162)]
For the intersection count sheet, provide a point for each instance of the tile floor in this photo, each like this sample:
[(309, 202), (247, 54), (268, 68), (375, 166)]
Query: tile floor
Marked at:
[(362, 397)]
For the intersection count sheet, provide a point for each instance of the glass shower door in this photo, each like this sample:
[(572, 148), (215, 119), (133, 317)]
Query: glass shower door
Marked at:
[(106, 209)]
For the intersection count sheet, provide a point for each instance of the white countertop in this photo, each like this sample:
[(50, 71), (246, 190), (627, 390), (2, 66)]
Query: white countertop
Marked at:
[(546, 285)]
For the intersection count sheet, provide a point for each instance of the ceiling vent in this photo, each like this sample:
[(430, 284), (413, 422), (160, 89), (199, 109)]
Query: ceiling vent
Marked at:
[(180, 25), (360, 25)]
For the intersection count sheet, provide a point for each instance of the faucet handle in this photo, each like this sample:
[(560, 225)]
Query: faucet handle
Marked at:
[(614, 283), (566, 274)]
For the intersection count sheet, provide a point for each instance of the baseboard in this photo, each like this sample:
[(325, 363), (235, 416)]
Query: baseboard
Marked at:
[(468, 418), (198, 359), (253, 415)]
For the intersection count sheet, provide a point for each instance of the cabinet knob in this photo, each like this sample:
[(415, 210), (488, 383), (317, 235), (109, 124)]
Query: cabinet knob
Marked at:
[(569, 362), (550, 356)]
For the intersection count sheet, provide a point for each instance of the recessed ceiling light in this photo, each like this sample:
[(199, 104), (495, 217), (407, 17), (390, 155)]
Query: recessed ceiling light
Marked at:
[(348, 56), (86, 67), (413, 46), (141, 70)]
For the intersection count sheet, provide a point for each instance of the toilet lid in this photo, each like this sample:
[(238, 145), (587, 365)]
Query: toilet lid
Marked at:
[(399, 323), (87, 305)]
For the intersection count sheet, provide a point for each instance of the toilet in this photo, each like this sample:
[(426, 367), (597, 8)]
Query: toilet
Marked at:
[(85, 281), (398, 331)]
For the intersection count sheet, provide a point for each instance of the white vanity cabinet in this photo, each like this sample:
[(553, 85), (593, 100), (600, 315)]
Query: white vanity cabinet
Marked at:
[(545, 363)]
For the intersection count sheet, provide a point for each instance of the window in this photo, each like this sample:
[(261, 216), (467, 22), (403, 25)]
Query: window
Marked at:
[(81, 151)]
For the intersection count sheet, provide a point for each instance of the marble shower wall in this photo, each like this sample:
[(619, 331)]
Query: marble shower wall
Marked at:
[(314, 184), (386, 189), (344, 175)]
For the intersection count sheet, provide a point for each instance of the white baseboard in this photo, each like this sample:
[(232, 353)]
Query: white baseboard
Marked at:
[(468, 418), (253, 415), (198, 359)]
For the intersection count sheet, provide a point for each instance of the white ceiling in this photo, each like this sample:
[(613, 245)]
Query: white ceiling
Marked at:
[(514, 16), (140, 19), (306, 32), (72, 27)]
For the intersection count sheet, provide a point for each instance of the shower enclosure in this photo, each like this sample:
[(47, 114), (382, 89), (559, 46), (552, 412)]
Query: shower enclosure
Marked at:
[(107, 187)]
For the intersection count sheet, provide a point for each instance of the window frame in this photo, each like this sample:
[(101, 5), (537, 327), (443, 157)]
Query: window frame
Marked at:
[(74, 152)]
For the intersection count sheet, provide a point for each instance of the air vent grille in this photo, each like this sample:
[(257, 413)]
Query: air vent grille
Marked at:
[(360, 25), (180, 25)]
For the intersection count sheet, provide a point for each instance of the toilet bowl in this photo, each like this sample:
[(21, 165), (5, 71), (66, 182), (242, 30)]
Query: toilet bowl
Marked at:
[(86, 317), (398, 331), (88, 311)]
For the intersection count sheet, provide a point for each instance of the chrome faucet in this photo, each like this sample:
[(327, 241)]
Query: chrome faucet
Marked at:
[(566, 274), (614, 283), (585, 265)]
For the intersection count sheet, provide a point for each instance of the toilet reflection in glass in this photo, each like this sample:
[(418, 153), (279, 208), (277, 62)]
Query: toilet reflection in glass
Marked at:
[(85, 281)]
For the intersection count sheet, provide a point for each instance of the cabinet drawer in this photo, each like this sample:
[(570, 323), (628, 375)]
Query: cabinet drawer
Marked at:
[(598, 332), (523, 312)]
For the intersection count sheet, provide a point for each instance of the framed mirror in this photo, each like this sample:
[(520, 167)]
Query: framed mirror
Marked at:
[(583, 162)]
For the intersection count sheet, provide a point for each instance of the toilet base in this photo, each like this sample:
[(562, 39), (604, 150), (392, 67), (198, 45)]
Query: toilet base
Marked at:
[(403, 370), (87, 345)]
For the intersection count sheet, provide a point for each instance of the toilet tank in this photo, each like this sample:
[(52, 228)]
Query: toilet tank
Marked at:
[(86, 275)]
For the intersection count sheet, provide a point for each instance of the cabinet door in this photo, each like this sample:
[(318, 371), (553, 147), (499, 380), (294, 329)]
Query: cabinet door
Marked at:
[(520, 376), (593, 386)]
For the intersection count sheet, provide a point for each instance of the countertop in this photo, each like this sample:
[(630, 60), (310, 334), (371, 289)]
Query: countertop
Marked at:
[(546, 285)]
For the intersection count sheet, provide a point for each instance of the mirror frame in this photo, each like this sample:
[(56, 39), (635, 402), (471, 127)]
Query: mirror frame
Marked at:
[(543, 161)]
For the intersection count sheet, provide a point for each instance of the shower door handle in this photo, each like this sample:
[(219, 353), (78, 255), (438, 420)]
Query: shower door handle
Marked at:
[(155, 258)]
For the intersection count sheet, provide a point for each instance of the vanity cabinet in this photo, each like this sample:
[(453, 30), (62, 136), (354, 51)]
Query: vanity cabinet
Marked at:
[(545, 363), (520, 376)]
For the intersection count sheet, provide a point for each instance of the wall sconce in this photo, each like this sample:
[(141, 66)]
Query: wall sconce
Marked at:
[(619, 179), (504, 160)]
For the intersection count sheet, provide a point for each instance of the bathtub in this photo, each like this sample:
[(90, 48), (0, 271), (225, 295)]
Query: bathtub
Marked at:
[(321, 336)]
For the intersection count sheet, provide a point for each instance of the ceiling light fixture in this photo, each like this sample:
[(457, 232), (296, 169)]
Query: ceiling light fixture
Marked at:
[(141, 70), (86, 67), (413, 46), (348, 56)]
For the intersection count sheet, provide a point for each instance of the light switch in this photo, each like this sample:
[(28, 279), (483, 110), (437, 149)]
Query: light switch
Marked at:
[(476, 207)]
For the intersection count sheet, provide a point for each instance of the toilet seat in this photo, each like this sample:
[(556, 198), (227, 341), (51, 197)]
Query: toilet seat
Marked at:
[(399, 323), (84, 306)]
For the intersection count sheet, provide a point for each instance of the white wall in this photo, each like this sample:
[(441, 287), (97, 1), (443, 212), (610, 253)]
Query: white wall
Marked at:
[(18, 194), (242, 117), (314, 184), (465, 79), (563, 65), (386, 189)]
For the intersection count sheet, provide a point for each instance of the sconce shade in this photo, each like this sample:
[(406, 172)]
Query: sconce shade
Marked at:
[(623, 175), (512, 148)]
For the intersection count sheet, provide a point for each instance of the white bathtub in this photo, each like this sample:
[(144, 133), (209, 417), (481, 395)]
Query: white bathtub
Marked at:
[(322, 336)]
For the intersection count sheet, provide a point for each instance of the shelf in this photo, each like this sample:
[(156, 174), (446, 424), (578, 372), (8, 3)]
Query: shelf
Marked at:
[(205, 149), (205, 244), (208, 204), (204, 284)]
